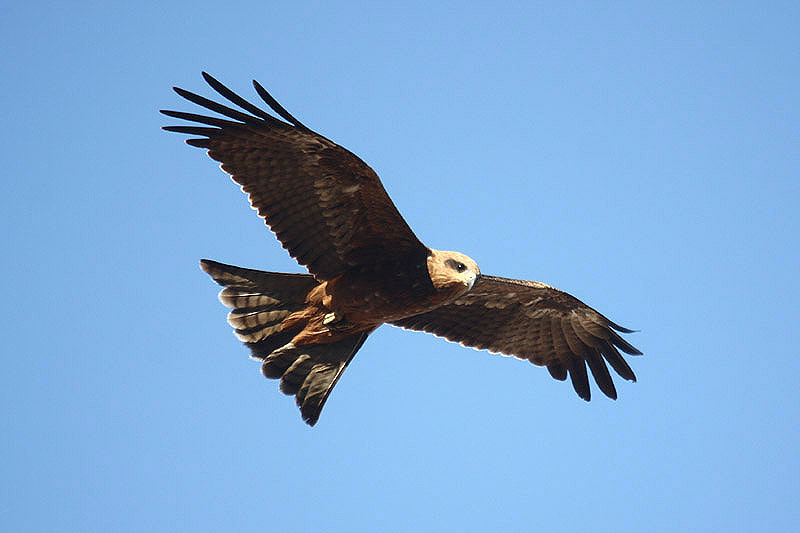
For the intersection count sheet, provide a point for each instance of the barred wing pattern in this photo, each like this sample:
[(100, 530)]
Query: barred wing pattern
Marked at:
[(326, 206), (533, 321)]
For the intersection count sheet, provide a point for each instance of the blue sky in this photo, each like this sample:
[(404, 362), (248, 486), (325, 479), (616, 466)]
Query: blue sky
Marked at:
[(645, 159)]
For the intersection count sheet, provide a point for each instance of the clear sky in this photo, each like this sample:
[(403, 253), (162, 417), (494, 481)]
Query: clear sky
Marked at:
[(645, 159)]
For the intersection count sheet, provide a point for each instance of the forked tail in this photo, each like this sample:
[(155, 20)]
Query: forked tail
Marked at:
[(259, 302)]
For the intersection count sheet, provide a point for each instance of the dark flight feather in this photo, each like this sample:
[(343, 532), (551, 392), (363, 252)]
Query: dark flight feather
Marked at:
[(531, 320), (346, 219)]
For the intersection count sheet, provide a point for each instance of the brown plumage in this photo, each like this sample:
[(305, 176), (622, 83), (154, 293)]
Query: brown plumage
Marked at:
[(367, 268)]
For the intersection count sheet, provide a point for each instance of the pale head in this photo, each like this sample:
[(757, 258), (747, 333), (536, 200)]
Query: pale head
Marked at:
[(452, 271)]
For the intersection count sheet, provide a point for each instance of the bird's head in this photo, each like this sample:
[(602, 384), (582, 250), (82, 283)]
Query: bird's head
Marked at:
[(452, 271)]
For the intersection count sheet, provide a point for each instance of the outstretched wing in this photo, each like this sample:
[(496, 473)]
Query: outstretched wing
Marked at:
[(533, 321), (326, 206)]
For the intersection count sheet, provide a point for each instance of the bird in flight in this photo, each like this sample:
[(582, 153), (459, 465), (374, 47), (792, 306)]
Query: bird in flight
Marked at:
[(366, 267)]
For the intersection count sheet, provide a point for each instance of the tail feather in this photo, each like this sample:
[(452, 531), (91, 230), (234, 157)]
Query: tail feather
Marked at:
[(311, 371), (259, 303), (296, 374)]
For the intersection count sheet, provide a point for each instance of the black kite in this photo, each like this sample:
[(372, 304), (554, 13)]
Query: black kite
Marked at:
[(367, 267)]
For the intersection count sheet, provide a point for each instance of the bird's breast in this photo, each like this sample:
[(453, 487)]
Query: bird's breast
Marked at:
[(380, 293)]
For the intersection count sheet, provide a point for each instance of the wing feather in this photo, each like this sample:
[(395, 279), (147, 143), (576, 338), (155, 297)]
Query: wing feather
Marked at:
[(579, 377), (533, 321), (326, 206)]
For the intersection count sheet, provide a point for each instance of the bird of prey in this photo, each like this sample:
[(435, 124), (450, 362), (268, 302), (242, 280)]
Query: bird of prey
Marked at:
[(366, 267)]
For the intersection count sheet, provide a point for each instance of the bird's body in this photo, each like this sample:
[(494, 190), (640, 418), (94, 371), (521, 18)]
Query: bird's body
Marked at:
[(366, 297), (367, 268)]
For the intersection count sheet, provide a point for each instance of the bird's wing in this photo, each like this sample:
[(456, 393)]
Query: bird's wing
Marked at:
[(533, 321), (326, 206)]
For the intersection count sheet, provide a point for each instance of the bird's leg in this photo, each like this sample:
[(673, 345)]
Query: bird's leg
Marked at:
[(335, 321)]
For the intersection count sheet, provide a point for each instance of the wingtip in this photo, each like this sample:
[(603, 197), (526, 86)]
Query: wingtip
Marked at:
[(584, 394), (622, 329), (183, 93), (211, 80), (207, 265), (264, 94), (172, 114)]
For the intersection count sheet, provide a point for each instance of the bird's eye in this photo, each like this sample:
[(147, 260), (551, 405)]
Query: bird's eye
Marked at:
[(456, 265)]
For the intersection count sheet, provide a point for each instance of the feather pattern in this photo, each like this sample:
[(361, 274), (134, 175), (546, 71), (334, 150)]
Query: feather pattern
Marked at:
[(326, 206), (531, 320), (310, 372)]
